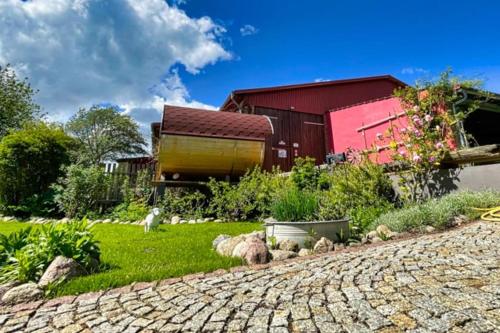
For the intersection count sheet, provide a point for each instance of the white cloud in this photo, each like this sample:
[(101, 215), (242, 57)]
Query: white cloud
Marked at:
[(83, 52), (414, 70), (320, 79), (248, 30), (180, 2)]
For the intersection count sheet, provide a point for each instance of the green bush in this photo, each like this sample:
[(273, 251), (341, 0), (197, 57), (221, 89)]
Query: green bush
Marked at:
[(251, 198), (26, 254), (438, 212), (78, 193), (135, 196), (132, 211), (30, 161), (361, 192), (140, 190), (183, 202), (305, 174), (293, 204)]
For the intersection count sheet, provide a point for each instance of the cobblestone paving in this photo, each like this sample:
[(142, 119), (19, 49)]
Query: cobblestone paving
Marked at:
[(440, 283)]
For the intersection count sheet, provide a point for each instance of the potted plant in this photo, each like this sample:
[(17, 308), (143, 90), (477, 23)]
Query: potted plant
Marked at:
[(296, 214)]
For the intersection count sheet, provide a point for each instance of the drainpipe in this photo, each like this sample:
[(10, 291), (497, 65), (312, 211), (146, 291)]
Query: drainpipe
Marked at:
[(462, 138)]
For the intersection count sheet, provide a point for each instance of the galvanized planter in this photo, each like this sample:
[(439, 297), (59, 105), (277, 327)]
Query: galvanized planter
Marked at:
[(301, 231)]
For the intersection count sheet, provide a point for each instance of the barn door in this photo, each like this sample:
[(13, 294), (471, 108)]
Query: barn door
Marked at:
[(309, 137), (277, 151), (296, 134)]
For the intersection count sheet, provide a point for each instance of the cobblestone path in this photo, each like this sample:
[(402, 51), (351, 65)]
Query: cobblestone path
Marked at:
[(447, 282)]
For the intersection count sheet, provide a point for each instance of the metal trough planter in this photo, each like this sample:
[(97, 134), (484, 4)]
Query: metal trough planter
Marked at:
[(301, 231)]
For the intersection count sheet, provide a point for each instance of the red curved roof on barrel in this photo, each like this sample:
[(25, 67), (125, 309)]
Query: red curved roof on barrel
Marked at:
[(227, 125)]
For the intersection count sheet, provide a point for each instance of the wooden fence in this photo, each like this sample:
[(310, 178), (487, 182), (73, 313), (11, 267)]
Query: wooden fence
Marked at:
[(121, 170)]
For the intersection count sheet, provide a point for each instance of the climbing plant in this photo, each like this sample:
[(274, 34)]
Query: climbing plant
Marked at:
[(419, 141)]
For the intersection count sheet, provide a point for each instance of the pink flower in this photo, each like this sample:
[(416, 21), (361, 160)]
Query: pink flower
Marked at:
[(439, 145), (416, 108), (418, 134), (417, 121), (416, 158), (402, 130), (432, 159), (428, 118), (402, 153)]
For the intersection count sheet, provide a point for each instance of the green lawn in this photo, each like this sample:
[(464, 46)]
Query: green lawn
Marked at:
[(132, 255)]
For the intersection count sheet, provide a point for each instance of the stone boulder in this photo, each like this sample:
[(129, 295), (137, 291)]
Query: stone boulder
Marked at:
[(24, 293), (258, 234), (383, 231), (253, 251), (305, 252), (175, 220), (288, 245), (323, 245), (226, 247), (458, 220), (376, 239), (6, 287), (218, 240), (61, 268), (371, 234), (429, 229), (278, 255)]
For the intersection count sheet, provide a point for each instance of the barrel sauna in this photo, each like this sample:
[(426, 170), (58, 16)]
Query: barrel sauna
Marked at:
[(196, 144)]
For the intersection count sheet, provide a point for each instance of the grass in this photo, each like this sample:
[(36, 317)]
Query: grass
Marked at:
[(134, 256)]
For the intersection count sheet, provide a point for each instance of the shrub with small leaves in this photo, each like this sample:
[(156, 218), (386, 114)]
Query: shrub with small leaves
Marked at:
[(183, 202), (78, 193), (251, 198)]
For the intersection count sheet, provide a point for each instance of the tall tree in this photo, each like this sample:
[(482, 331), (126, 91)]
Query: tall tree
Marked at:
[(105, 134), (16, 101)]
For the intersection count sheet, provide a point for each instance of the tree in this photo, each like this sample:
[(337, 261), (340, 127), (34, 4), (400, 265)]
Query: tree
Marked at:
[(16, 101), (103, 133), (30, 161)]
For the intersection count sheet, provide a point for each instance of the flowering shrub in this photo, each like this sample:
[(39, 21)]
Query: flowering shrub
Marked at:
[(420, 141)]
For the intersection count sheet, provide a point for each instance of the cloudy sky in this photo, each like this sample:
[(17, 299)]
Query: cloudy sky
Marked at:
[(141, 54)]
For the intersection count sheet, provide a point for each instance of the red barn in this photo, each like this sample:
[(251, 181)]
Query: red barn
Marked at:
[(300, 113)]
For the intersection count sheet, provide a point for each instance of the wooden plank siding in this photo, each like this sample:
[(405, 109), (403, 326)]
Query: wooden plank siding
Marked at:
[(296, 133)]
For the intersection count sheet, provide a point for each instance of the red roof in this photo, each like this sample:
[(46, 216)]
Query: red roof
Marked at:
[(198, 122)]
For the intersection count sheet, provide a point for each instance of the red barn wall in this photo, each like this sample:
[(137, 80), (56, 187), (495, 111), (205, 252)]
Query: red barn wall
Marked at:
[(358, 126), (320, 99)]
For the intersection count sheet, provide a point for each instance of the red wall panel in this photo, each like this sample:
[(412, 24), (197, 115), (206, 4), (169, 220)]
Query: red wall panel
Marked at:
[(319, 100), (360, 127)]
